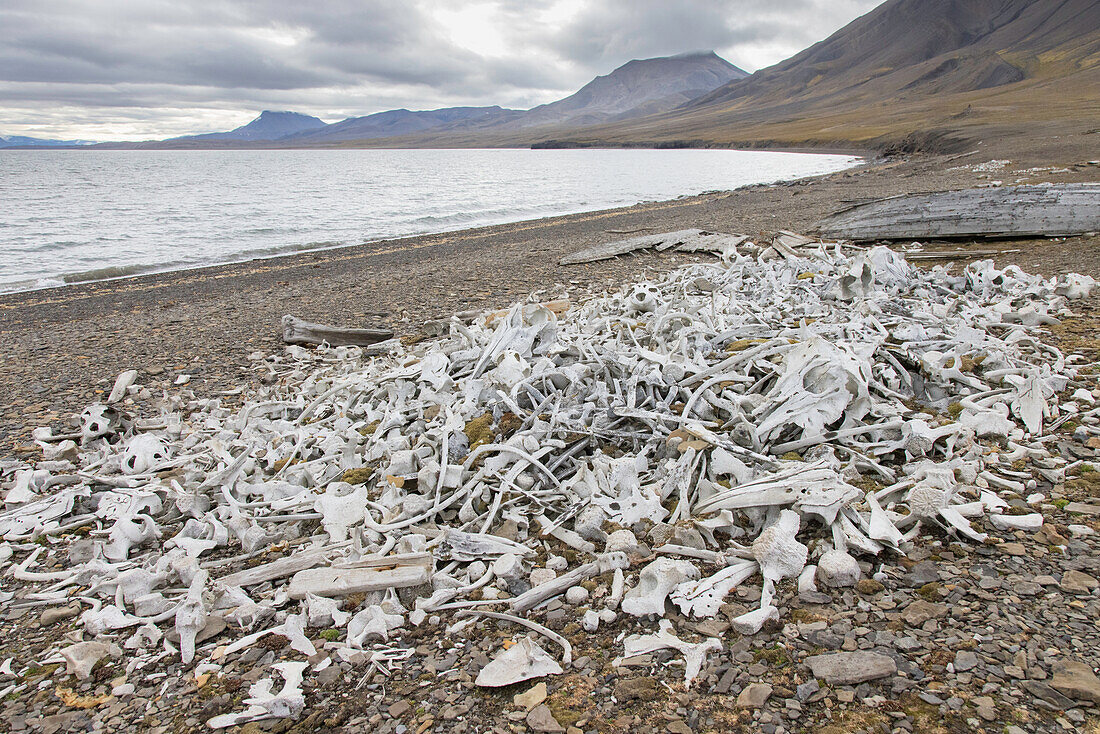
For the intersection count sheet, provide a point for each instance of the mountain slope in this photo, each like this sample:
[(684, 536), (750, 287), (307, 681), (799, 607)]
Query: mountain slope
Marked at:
[(637, 88), (909, 73), (403, 122), (268, 126), (927, 45)]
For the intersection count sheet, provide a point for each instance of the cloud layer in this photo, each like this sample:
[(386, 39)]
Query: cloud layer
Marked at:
[(132, 69)]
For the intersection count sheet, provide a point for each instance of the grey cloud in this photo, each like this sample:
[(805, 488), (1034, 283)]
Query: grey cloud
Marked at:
[(156, 59), (619, 29)]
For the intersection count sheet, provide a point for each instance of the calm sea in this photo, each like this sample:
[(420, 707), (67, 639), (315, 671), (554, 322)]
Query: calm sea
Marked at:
[(72, 216)]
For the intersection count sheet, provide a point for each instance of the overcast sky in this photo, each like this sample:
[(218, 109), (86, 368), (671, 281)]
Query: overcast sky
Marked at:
[(139, 69)]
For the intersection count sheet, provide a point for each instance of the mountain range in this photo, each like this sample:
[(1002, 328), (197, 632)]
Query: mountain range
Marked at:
[(21, 141), (908, 75), (637, 88)]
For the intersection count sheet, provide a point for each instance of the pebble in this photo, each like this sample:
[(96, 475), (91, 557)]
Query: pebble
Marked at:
[(1082, 508), (851, 668), (920, 611), (1076, 680), (123, 690), (807, 689), (986, 707), (540, 719), (532, 697), (754, 696), (1076, 582), (58, 614), (965, 660)]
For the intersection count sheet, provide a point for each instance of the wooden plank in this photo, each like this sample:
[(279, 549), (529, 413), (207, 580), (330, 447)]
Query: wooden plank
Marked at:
[(957, 254), (609, 250), (716, 243), (687, 240), (1009, 211)]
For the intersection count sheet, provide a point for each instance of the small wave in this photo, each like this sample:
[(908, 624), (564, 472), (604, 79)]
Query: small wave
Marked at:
[(276, 250), (114, 271), (16, 286)]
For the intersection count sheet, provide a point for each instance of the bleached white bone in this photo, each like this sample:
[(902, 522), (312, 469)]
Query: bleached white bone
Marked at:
[(122, 383), (522, 661), (83, 656), (263, 704), (703, 598), (655, 582), (695, 654), (1030, 523), (191, 617), (372, 622)]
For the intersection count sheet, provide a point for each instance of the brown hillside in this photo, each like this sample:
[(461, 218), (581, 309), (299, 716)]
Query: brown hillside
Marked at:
[(937, 75), (911, 73)]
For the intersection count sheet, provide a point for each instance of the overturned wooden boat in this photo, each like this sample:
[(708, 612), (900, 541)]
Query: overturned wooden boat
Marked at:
[(1010, 211)]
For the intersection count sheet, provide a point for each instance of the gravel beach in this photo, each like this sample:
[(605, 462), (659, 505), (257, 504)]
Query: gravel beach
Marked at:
[(959, 637)]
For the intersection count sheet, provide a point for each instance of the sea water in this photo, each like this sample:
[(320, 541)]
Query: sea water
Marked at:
[(69, 216)]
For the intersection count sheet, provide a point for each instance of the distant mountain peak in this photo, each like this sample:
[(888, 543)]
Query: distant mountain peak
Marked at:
[(269, 126), (284, 114), (640, 87)]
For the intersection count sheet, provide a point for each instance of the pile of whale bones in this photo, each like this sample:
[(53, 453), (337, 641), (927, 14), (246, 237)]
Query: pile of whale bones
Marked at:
[(773, 414)]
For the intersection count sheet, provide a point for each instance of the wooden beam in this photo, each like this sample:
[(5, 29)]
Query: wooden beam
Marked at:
[(297, 331), (1008, 211)]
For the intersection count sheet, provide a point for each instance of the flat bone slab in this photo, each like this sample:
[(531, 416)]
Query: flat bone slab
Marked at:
[(851, 668), (688, 240), (522, 661), (1008, 211), (343, 581)]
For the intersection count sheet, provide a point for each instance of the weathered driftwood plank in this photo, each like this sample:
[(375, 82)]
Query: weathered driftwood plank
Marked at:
[(688, 240), (710, 242), (957, 254), (1009, 211), (297, 331)]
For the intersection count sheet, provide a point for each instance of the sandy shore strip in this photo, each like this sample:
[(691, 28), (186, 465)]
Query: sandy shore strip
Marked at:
[(64, 346)]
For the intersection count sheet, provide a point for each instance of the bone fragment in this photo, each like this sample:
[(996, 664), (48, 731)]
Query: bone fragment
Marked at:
[(522, 661), (337, 581), (122, 382)]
